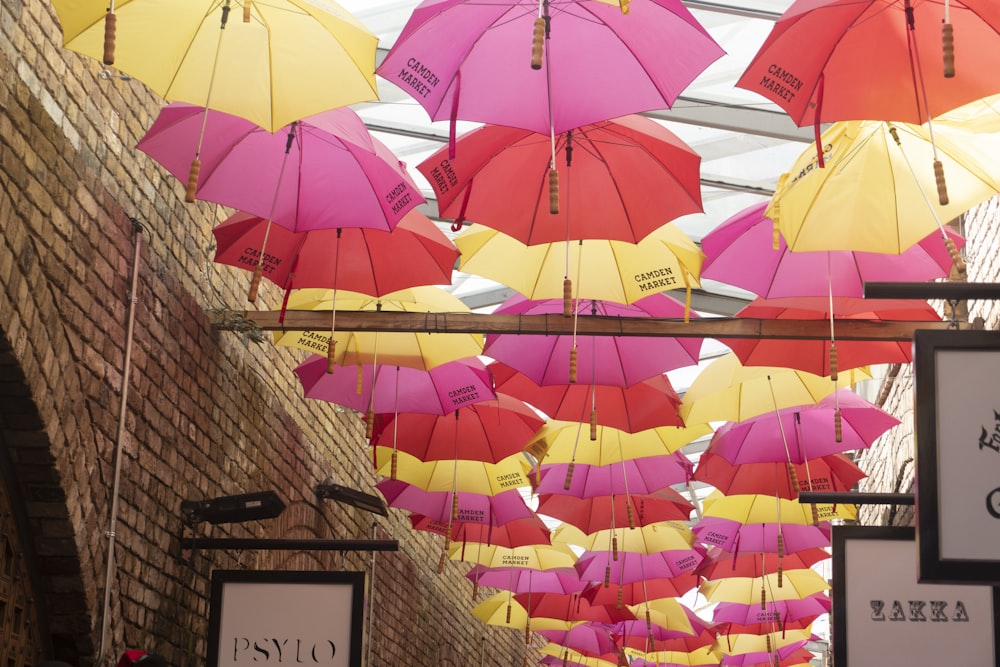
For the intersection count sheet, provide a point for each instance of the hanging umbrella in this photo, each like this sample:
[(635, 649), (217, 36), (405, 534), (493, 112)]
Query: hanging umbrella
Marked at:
[(483, 508), (772, 611), (412, 350), (561, 656), (820, 357), (804, 433), (516, 533), (640, 475), (479, 77), (609, 360), (526, 580), (809, 63), (666, 259), (644, 405), (830, 473), (260, 66), (489, 431), (702, 657), (367, 261), (570, 607), (453, 475), (388, 389), (649, 588), (560, 442), (751, 649), (536, 557), (725, 390), (869, 197), (615, 511), (620, 179), (719, 564), (625, 556), (323, 172), (670, 614), (587, 637), (502, 610), (741, 252)]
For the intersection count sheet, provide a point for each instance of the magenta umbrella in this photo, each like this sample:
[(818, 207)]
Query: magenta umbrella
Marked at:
[(589, 637), (469, 60), (736, 537), (324, 172), (741, 252), (773, 611), (527, 580), (638, 476), (627, 567), (804, 432), (619, 361), (386, 388), (472, 507)]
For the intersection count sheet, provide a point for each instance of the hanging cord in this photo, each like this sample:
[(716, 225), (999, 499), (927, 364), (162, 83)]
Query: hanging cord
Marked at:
[(628, 496), (192, 184), (833, 338), (371, 599), (258, 270), (567, 282), (920, 91), (120, 443), (331, 348)]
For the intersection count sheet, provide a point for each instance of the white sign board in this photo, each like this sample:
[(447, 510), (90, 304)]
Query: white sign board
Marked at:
[(883, 616), (958, 455), (285, 618)]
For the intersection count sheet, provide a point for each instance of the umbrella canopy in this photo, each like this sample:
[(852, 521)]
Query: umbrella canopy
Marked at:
[(620, 179), (666, 259), (830, 473), (741, 252), (752, 650), (669, 614), (804, 433), (871, 196), (641, 475), (478, 76), (795, 585), (648, 588), (494, 510), (502, 610), (412, 350), (719, 564), (649, 539), (516, 533), (323, 172), (452, 474), (561, 442), (367, 261), (587, 637), (262, 69), (570, 607), (644, 405), (536, 557), (388, 389), (526, 580), (490, 431), (615, 511), (809, 63), (608, 360), (780, 611), (726, 390)]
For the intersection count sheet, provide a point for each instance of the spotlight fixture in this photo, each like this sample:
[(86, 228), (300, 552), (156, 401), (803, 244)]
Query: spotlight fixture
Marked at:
[(233, 509), (352, 497)]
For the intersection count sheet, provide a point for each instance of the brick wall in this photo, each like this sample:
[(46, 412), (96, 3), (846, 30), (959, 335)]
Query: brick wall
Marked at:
[(208, 413)]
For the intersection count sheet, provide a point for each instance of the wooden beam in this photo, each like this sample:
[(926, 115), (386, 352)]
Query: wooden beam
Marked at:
[(589, 325)]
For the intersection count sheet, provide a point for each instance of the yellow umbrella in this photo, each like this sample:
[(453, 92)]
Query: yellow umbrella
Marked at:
[(667, 613), (759, 508), (454, 475), (794, 585), (740, 643), (572, 657), (706, 655), (726, 390), (533, 557), (272, 62), (604, 270), (876, 192), (502, 610), (649, 539), (412, 350)]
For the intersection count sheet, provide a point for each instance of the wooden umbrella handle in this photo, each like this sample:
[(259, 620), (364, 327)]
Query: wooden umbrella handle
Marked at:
[(948, 48), (572, 365), (258, 273), (942, 187), (247, 4), (110, 31), (537, 42), (553, 192), (833, 361), (192, 182), (569, 476), (331, 354), (593, 425), (956, 257)]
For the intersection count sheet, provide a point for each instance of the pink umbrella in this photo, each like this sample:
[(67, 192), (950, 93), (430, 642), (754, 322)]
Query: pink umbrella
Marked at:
[(490, 431), (644, 405), (804, 432), (615, 511), (831, 473), (355, 259), (741, 252), (589, 638), (517, 533), (323, 172), (639, 476), (604, 360), (629, 566), (392, 389), (607, 171), (525, 580), (774, 611), (643, 590), (472, 507), (734, 536), (460, 59)]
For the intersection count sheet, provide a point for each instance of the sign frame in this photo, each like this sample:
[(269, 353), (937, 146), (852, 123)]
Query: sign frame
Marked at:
[(955, 477), (848, 612), (346, 588)]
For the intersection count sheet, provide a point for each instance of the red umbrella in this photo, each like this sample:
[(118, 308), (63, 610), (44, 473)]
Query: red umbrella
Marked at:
[(833, 472), (644, 405), (498, 177), (821, 357), (486, 431), (719, 563), (493, 510), (642, 475), (368, 261), (516, 533), (588, 638), (636, 592), (616, 511), (570, 607), (527, 580)]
